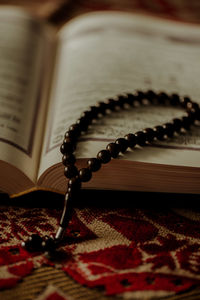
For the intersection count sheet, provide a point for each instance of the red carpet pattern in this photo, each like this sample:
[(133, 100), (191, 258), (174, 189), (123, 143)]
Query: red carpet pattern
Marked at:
[(127, 251)]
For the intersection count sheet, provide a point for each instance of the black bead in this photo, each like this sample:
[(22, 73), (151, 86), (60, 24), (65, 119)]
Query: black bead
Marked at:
[(123, 144), (130, 99), (88, 115), (102, 107), (94, 164), (162, 97), (36, 239), (94, 111), (193, 110), (104, 156), (76, 128), (150, 134), (177, 124), (192, 116), (184, 102), (67, 146), (186, 122), (121, 101), (70, 171), (132, 140), (111, 104), (83, 123), (174, 99), (114, 149), (75, 184), (34, 243), (85, 174), (195, 113), (28, 245), (194, 106), (169, 129), (141, 138), (150, 95), (68, 159), (49, 244), (72, 135), (159, 132), (140, 96), (190, 120), (62, 149)]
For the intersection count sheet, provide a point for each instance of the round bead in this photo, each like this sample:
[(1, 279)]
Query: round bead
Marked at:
[(71, 134), (141, 138), (83, 123), (111, 104), (140, 95), (104, 156), (131, 139), (102, 107), (70, 171), (94, 164), (193, 110), (174, 99), (194, 106), (169, 129), (177, 124), (114, 149), (49, 244), (150, 95), (94, 111), (28, 245), (74, 183), (130, 99), (75, 128), (123, 144), (159, 132), (121, 101), (67, 146), (186, 122), (184, 102), (150, 134), (68, 159), (36, 239), (85, 174), (189, 106), (197, 115), (194, 115), (34, 243), (87, 115), (162, 97)]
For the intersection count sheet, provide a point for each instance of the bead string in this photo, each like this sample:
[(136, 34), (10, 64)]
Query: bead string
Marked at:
[(130, 140)]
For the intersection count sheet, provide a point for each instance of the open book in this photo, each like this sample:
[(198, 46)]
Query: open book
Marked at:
[(48, 77)]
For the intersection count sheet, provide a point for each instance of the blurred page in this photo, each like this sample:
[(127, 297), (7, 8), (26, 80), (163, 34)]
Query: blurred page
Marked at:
[(22, 49)]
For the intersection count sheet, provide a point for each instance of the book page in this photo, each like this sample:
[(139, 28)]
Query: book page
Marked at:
[(22, 48), (106, 54)]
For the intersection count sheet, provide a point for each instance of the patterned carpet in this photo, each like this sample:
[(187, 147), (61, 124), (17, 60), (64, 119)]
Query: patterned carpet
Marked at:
[(126, 251)]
